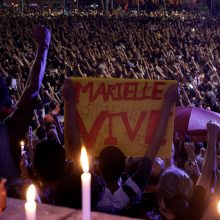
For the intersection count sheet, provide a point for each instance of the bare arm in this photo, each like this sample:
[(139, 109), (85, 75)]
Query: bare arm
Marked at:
[(169, 100), (18, 122), (143, 172), (209, 160), (72, 134)]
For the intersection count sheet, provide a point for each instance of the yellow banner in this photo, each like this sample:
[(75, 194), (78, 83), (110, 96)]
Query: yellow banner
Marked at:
[(121, 112)]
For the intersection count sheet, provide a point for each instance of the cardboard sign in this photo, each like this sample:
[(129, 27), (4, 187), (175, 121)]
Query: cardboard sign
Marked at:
[(121, 112)]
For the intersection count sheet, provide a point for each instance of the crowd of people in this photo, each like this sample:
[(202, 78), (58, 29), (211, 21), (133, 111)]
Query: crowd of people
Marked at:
[(160, 46)]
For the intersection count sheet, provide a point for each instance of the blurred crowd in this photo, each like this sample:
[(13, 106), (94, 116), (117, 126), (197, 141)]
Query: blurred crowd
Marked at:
[(179, 46), (160, 46)]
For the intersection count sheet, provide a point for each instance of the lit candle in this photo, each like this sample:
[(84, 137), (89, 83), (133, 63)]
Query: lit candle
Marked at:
[(30, 205), (219, 206), (86, 186), (22, 147)]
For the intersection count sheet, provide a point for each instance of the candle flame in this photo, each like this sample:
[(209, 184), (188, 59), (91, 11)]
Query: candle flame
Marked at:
[(219, 206), (31, 193), (84, 160), (22, 143)]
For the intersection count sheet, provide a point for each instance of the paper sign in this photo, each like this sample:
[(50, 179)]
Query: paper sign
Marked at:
[(121, 112)]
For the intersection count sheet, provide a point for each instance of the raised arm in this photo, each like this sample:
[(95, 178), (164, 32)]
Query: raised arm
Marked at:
[(169, 100), (18, 122), (143, 172), (71, 130), (210, 156)]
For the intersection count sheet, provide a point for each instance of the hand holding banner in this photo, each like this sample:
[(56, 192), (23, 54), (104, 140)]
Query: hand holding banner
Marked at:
[(121, 112)]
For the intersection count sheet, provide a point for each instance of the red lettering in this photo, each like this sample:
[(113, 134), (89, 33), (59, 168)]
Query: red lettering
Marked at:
[(132, 133), (114, 91), (100, 91), (152, 126), (89, 137), (153, 121), (146, 90), (130, 90), (119, 87), (157, 93), (120, 91), (110, 140), (79, 88)]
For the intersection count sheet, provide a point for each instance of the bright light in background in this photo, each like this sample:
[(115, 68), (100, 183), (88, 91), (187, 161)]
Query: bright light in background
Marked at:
[(219, 206)]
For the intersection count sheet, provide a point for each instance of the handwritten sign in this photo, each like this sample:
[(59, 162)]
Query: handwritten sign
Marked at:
[(121, 112)]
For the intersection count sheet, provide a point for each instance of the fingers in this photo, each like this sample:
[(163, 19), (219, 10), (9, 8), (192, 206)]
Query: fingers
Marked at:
[(42, 35), (188, 145), (213, 127)]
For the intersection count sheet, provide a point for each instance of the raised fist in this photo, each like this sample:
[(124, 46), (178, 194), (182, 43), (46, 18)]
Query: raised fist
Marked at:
[(213, 127), (42, 36)]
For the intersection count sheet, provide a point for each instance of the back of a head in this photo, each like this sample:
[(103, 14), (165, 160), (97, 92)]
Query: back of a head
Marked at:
[(49, 161), (52, 105), (157, 169), (176, 189), (111, 163), (41, 133)]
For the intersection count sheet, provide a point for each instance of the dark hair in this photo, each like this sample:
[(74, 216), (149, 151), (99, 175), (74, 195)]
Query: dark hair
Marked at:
[(41, 133), (49, 160), (111, 163), (52, 105), (155, 174)]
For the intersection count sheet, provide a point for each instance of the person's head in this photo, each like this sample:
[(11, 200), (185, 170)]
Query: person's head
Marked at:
[(41, 133), (49, 161), (54, 108), (202, 152), (157, 169), (111, 163), (175, 190)]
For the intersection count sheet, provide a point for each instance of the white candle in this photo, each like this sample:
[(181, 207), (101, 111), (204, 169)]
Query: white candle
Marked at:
[(30, 205), (86, 186), (218, 206)]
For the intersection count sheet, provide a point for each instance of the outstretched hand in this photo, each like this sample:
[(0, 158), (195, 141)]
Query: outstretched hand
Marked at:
[(42, 36), (193, 167), (190, 147)]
